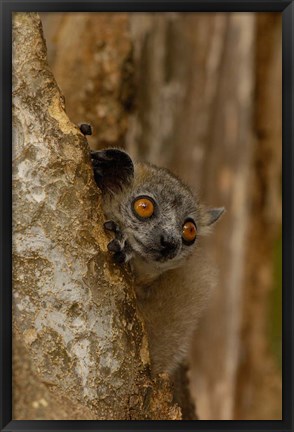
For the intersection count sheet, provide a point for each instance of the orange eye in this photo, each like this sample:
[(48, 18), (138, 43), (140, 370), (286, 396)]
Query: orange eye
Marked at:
[(144, 207), (189, 232)]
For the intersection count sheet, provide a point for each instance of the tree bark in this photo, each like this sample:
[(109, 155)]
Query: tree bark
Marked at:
[(98, 55), (74, 310)]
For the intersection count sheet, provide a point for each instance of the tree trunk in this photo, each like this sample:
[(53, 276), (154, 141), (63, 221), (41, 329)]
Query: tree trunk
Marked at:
[(74, 310)]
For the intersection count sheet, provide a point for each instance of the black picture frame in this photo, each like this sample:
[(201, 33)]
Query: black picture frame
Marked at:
[(286, 7)]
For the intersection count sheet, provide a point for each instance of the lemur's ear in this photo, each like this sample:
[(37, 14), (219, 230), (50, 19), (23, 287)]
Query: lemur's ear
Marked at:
[(214, 214), (113, 169)]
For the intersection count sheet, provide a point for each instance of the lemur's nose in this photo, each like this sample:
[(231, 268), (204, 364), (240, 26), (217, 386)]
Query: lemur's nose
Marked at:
[(168, 245)]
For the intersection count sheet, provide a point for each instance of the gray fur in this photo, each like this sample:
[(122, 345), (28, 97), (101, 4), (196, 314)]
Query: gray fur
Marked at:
[(171, 290)]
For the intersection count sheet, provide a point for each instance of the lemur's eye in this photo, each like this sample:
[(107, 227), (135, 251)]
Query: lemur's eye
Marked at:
[(143, 207), (189, 232)]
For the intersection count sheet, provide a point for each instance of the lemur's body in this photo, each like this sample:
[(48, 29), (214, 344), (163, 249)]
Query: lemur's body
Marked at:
[(156, 220)]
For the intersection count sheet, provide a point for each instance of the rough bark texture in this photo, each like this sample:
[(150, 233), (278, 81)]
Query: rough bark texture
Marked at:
[(182, 393), (98, 58), (73, 309)]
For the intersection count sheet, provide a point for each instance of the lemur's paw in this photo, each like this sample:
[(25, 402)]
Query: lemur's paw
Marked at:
[(121, 249), (114, 246), (110, 225), (120, 257)]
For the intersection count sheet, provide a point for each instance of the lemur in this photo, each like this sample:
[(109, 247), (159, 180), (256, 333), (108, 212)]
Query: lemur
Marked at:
[(157, 222)]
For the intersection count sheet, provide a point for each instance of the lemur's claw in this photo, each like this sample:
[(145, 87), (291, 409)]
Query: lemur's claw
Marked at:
[(86, 129), (110, 225), (119, 257), (114, 246), (119, 246)]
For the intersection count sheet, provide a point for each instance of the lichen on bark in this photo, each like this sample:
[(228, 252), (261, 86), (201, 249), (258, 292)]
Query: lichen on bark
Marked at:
[(73, 309)]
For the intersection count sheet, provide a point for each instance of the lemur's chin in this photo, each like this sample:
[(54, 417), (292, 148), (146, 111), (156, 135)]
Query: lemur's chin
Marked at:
[(165, 258), (159, 257)]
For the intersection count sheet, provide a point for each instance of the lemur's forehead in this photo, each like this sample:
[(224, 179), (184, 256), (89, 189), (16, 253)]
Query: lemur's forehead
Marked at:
[(164, 187)]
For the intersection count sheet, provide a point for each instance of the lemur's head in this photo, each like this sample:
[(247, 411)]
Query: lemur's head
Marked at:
[(159, 214)]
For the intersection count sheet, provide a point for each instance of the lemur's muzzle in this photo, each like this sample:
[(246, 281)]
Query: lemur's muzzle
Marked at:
[(168, 246)]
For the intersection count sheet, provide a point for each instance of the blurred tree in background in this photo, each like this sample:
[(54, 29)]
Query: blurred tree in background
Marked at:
[(200, 94)]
